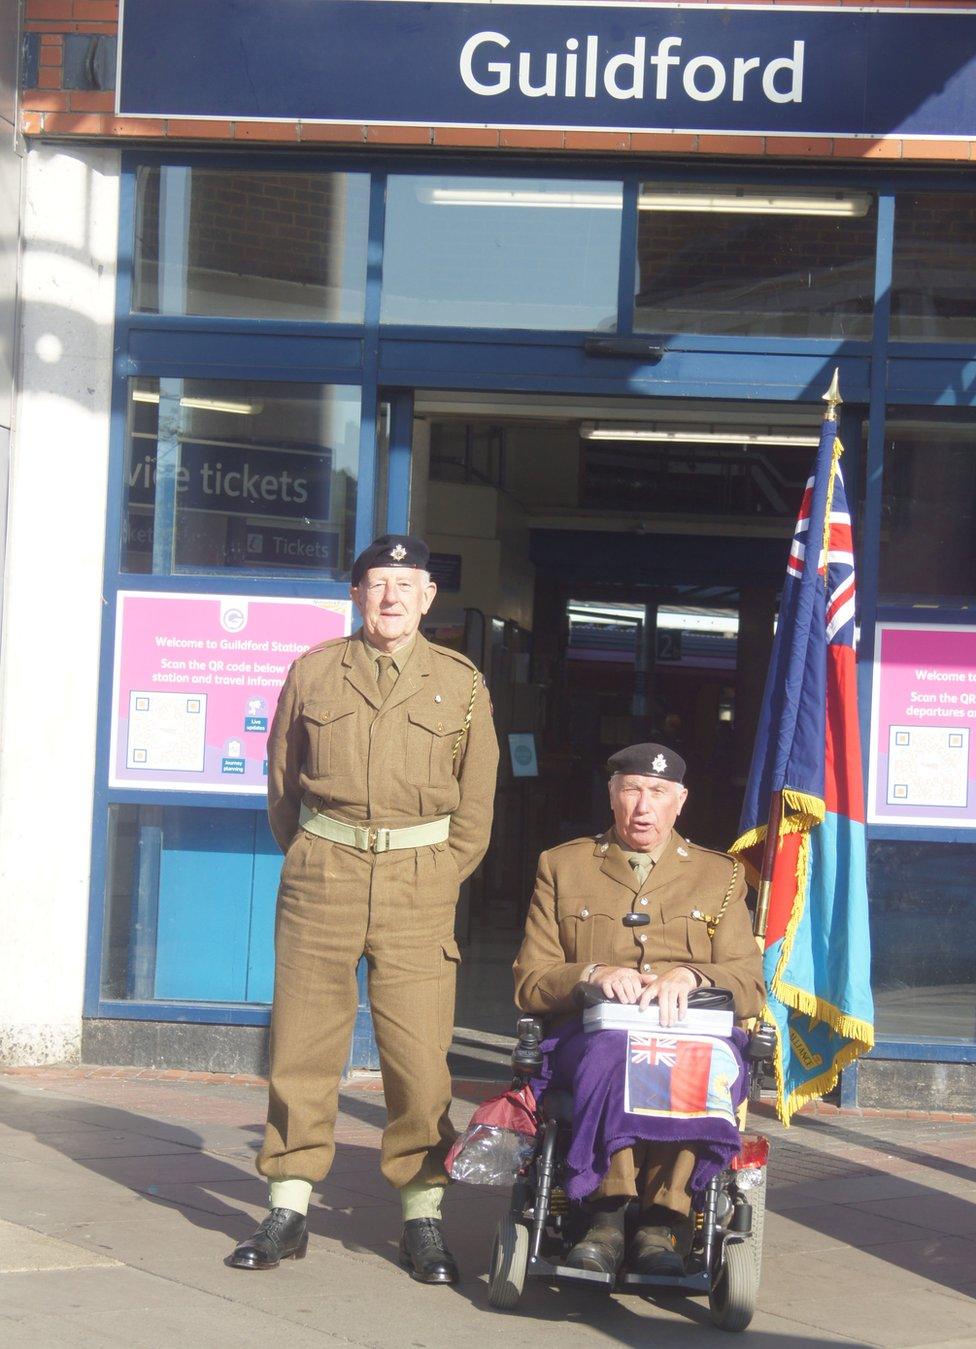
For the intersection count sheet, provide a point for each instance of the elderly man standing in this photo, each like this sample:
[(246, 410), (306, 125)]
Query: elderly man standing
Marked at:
[(588, 921), (381, 777)]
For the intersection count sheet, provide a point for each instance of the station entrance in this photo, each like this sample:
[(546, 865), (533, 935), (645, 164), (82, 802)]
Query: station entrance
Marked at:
[(614, 568)]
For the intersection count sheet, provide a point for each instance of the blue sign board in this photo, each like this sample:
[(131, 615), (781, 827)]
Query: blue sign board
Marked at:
[(760, 70), (285, 546), (238, 479)]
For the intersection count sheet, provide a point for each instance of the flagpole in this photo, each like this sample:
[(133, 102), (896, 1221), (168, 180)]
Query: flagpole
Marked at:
[(833, 400)]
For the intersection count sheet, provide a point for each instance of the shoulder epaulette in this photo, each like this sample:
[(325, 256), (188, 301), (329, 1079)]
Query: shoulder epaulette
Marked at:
[(588, 839), (322, 646), (454, 655)]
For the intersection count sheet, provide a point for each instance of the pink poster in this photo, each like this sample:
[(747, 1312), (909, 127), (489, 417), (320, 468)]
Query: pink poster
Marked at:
[(923, 726), (197, 678)]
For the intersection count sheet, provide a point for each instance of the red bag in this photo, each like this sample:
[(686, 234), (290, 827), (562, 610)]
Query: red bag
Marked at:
[(499, 1142)]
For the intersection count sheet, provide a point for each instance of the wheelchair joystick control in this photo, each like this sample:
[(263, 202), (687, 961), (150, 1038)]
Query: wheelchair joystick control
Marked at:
[(527, 1056), (636, 919)]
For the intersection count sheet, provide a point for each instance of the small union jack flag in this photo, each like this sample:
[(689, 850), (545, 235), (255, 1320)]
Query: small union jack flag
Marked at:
[(654, 1049), (679, 1075)]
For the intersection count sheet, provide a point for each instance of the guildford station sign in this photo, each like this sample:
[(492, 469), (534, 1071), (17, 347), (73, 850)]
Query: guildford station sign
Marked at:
[(600, 66)]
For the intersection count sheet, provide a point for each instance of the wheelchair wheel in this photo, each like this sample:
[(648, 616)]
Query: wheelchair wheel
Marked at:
[(509, 1260), (732, 1297)]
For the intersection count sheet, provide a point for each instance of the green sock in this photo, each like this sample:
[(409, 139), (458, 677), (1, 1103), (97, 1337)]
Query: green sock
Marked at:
[(293, 1194), (420, 1199)]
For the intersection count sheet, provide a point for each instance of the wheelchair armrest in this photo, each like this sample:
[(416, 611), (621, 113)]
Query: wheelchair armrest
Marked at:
[(762, 1042)]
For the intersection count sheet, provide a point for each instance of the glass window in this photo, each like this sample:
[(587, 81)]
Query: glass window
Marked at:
[(928, 523), (247, 476), (923, 935), (251, 245), (190, 905), (933, 287), (501, 253), (746, 261)]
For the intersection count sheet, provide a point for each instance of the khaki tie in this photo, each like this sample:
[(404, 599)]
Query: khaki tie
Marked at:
[(642, 866), (386, 675)]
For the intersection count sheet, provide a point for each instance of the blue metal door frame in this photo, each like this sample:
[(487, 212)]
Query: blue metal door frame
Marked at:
[(389, 363)]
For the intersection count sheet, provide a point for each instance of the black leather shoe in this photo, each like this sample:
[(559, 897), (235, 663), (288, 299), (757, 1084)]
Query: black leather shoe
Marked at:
[(283, 1235), (653, 1250), (424, 1252), (601, 1249)]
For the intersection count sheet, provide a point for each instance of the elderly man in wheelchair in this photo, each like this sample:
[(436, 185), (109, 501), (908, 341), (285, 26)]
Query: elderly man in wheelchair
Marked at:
[(639, 1127)]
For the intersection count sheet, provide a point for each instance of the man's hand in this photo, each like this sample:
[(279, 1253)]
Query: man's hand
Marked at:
[(670, 991), (619, 983)]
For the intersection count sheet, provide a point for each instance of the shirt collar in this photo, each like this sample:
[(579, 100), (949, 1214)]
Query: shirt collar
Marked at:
[(399, 657)]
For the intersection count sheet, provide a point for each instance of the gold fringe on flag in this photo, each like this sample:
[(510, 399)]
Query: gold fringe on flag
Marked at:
[(860, 1033)]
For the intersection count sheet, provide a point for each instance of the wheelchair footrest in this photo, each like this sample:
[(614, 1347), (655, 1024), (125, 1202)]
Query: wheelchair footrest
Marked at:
[(693, 1283), (590, 1278)]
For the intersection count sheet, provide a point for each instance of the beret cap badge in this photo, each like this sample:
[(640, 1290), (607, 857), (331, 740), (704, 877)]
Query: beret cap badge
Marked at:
[(398, 553), (660, 764)]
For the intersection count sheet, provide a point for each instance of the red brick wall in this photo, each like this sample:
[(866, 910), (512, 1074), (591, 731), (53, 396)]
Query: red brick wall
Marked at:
[(50, 111), (256, 224)]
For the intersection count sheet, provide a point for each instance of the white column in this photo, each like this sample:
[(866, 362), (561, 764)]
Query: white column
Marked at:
[(53, 596)]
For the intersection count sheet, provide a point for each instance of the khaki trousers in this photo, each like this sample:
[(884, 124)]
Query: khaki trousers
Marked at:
[(336, 905), (658, 1174)]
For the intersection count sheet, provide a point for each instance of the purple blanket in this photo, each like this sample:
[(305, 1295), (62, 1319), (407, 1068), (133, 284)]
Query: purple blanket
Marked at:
[(591, 1067)]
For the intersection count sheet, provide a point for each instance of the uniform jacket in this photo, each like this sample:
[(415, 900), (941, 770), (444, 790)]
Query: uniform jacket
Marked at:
[(584, 888), (334, 746)]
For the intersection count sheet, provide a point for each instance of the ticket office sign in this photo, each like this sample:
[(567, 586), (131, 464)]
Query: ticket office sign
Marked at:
[(923, 726), (196, 682)]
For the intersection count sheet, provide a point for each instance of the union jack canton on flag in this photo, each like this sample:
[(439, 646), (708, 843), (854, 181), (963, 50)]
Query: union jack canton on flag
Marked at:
[(817, 944)]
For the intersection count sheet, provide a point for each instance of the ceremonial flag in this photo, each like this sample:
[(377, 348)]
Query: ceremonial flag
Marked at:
[(805, 783), (675, 1074)]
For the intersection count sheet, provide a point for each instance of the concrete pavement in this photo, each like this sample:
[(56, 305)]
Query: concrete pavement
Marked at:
[(121, 1193)]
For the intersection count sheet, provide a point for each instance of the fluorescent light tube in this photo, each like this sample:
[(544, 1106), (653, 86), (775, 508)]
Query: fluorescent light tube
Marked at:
[(206, 404), (736, 202), (690, 435)]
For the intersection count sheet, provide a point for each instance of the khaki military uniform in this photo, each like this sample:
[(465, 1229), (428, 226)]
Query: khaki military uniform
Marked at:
[(338, 747), (582, 891)]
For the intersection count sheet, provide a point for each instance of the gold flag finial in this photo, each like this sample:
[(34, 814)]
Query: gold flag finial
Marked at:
[(832, 397)]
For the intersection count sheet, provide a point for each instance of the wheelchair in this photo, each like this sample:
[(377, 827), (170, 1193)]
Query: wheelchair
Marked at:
[(725, 1260)]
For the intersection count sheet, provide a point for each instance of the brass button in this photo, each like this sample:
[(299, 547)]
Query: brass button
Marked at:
[(642, 937), (644, 900), (604, 847), (584, 913), (646, 969), (440, 726)]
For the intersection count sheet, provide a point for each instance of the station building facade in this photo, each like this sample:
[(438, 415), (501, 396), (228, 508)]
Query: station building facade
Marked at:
[(561, 288)]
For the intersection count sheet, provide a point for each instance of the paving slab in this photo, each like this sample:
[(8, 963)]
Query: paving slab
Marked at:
[(23, 1250), (128, 1193)]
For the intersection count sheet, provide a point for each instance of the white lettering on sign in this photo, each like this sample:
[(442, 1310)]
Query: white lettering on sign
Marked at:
[(217, 481), (623, 74)]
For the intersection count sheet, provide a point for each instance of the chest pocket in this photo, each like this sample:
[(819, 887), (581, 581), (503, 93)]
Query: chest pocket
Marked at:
[(330, 732), (431, 735), (587, 933), (684, 938)]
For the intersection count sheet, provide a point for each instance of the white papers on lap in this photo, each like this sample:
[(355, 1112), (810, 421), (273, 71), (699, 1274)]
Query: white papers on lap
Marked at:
[(621, 1016)]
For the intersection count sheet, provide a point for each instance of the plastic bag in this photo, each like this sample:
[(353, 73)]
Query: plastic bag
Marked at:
[(498, 1143)]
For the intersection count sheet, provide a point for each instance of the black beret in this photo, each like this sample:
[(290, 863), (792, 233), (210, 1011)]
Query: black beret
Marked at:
[(649, 761), (391, 550)]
